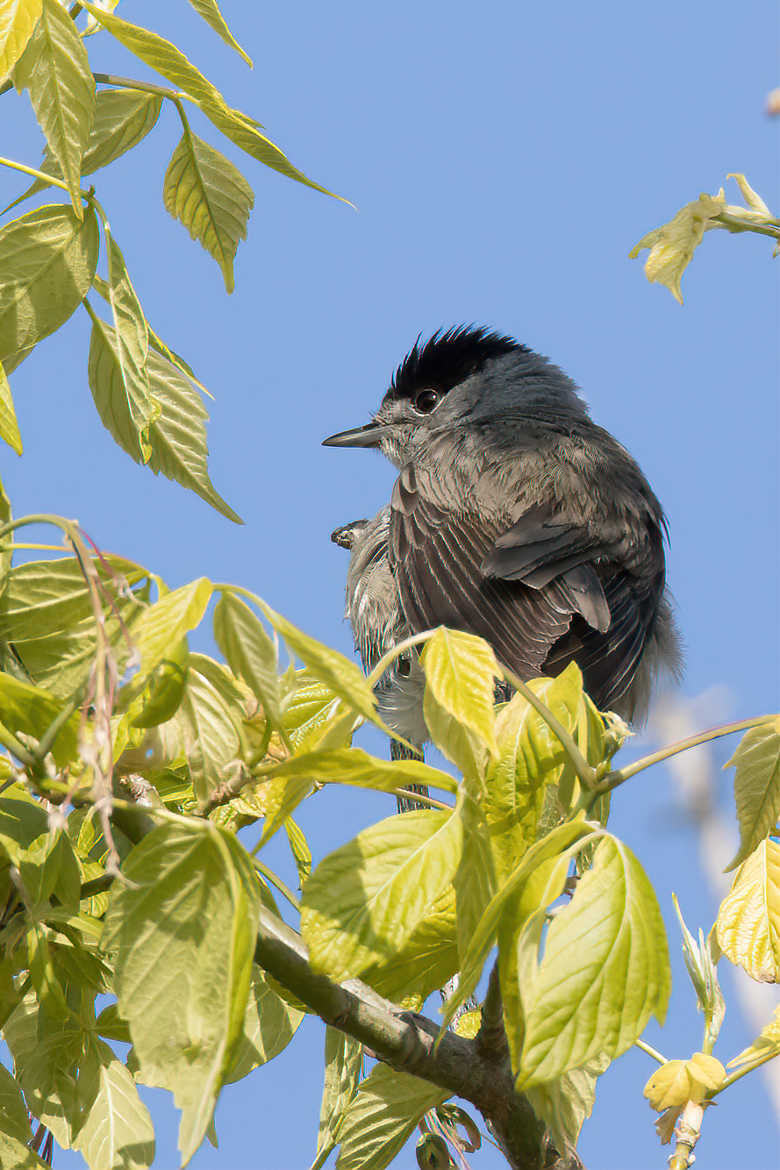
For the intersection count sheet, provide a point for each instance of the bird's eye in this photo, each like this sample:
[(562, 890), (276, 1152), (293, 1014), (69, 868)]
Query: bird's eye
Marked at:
[(426, 400)]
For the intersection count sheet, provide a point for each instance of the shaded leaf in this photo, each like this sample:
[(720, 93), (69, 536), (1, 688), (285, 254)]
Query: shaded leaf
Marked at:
[(46, 1055), (209, 10), (211, 197), (184, 991), (564, 1104), (756, 786), (31, 710), (131, 335), (605, 970), (121, 392), (55, 69), (364, 900), (9, 427), (382, 1116), (211, 739), (18, 19), (14, 1120), (748, 922), (163, 56), (117, 1131), (249, 651), (49, 260), (269, 1026), (343, 1066), (15, 1155)]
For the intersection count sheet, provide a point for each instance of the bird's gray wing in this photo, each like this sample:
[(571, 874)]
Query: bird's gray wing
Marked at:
[(533, 591), (437, 556)]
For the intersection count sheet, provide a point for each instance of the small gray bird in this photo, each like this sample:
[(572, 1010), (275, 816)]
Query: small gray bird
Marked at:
[(514, 517), (374, 612)]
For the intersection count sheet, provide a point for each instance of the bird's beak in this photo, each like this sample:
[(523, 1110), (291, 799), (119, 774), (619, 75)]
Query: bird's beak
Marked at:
[(367, 436)]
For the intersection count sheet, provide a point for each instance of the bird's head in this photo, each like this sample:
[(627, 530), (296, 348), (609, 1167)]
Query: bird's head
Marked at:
[(464, 377)]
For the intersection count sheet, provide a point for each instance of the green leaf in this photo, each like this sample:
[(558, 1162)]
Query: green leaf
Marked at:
[(184, 991), (178, 434), (210, 736), (309, 710), (32, 710), (18, 19), (460, 672), (605, 970), (122, 118), (672, 245), (209, 10), (46, 1055), (14, 1120), (426, 961), (169, 61), (117, 1131), (382, 1116), (354, 766), (269, 1026), (46, 613), (767, 1041), (211, 197), (9, 427), (49, 260), (131, 338), (340, 675), (756, 786), (6, 548), (557, 844), (55, 69), (565, 1103), (15, 1155), (530, 756), (475, 878), (167, 621), (748, 922), (123, 401), (343, 1066), (364, 900), (163, 690), (249, 651)]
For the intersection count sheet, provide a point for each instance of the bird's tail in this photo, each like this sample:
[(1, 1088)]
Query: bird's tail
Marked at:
[(399, 751)]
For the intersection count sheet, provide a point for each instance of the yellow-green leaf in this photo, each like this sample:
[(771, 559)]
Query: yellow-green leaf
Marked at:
[(672, 245), (460, 672), (343, 1067), (249, 651), (116, 1132), (55, 69), (120, 390), (364, 900), (14, 1119), (169, 619), (49, 260), (211, 198), (382, 1116), (426, 961), (269, 1026), (756, 786), (9, 427), (605, 970), (765, 1044), (32, 710), (209, 10), (210, 736), (748, 923), (163, 56), (18, 19), (356, 767), (565, 1103)]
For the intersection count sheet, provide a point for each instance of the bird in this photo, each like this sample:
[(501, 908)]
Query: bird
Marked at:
[(373, 611), (515, 517)]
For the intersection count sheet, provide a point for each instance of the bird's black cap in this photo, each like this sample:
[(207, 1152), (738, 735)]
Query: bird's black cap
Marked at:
[(447, 358)]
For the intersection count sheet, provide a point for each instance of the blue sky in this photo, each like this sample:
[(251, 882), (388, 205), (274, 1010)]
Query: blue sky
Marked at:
[(503, 158)]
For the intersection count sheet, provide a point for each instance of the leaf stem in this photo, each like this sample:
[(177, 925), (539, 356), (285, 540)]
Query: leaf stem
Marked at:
[(17, 166), (131, 83), (614, 779), (273, 878), (18, 749), (648, 1048), (586, 774), (741, 1072)]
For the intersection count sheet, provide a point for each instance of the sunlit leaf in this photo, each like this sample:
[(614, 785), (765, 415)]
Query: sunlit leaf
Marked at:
[(249, 651), (117, 1131), (46, 1055), (382, 1116), (354, 766), (9, 427), (31, 710), (18, 19), (605, 970), (163, 56), (55, 69), (767, 1042), (460, 672), (131, 336), (209, 10), (15, 1155), (364, 900), (49, 260), (426, 961), (672, 245), (756, 786), (679, 1081), (211, 738), (184, 992), (121, 392), (211, 197), (343, 1066), (167, 621), (748, 922)]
